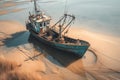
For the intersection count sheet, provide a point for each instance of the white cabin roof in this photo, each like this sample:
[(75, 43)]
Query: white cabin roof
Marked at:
[(44, 18)]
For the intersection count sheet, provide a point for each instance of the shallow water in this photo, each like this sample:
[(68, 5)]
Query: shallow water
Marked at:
[(101, 61), (101, 16)]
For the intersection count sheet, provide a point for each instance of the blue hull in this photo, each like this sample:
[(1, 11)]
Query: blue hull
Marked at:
[(76, 49)]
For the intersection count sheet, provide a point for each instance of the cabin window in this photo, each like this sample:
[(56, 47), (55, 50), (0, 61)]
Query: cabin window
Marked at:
[(40, 24), (44, 24)]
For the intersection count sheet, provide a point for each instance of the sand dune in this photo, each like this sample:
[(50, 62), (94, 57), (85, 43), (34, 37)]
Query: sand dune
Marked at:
[(10, 71)]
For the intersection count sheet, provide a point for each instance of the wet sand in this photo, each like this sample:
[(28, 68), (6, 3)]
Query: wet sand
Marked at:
[(35, 58)]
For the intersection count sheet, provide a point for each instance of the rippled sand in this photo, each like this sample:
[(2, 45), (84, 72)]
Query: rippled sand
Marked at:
[(100, 62)]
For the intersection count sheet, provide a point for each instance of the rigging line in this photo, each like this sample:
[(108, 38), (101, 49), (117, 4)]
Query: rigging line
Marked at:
[(68, 28)]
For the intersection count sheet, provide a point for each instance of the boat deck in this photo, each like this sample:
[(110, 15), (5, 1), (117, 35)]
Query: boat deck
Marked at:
[(67, 40)]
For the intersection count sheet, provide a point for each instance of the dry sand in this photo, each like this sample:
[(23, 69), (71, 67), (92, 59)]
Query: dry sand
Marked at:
[(106, 49), (104, 67)]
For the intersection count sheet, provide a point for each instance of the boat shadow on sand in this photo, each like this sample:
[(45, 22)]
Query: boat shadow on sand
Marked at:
[(23, 37), (16, 39), (63, 57)]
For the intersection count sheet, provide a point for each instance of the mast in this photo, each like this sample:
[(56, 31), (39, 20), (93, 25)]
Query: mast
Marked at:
[(35, 6), (64, 23)]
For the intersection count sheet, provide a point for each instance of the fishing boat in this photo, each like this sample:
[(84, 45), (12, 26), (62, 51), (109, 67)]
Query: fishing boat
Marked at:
[(54, 36)]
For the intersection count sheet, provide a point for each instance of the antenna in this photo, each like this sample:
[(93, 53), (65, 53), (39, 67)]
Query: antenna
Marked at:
[(65, 10)]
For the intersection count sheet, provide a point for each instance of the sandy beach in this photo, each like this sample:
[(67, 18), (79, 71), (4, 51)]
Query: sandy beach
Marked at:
[(22, 57), (99, 62), (23, 60)]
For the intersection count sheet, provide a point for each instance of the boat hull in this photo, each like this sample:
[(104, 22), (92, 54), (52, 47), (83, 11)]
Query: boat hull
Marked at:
[(76, 49)]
